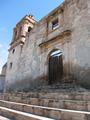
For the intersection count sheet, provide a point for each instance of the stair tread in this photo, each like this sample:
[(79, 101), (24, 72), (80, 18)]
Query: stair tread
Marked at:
[(48, 108), (71, 100), (3, 118), (26, 114)]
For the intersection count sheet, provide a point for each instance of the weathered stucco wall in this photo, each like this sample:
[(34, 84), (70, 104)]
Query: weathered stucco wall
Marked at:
[(30, 62), (79, 18)]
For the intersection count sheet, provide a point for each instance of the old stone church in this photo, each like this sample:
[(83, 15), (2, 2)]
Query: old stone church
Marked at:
[(54, 50)]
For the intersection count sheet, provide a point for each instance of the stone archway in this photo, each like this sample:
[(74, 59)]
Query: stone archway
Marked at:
[(55, 66)]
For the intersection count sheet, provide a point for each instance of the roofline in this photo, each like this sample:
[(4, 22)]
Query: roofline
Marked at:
[(25, 18), (61, 7)]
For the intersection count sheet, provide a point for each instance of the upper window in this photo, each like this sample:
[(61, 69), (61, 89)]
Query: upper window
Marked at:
[(29, 29), (13, 51), (55, 24)]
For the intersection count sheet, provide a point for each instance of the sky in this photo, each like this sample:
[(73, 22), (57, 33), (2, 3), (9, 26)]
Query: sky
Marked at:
[(11, 11)]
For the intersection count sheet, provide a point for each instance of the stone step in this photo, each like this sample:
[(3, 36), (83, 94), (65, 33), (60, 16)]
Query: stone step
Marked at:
[(18, 115), (62, 114), (3, 118), (62, 87), (64, 104), (48, 95), (54, 113)]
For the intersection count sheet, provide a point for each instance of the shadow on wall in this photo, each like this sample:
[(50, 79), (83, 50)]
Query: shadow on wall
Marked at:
[(26, 85), (81, 75), (2, 83)]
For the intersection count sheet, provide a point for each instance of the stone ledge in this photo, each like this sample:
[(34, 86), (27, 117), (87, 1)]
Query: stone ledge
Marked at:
[(62, 34), (3, 118), (53, 113), (18, 115)]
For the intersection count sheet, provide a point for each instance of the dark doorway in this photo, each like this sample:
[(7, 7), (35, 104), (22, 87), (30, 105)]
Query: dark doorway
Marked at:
[(55, 67)]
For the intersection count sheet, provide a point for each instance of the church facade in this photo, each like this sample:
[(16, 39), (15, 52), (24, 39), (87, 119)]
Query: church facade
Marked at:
[(54, 50)]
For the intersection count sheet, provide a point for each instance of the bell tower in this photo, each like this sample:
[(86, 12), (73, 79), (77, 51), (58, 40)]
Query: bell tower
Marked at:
[(21, 29)]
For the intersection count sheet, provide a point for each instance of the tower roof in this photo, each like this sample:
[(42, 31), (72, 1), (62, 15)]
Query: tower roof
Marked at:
[(29, 18)]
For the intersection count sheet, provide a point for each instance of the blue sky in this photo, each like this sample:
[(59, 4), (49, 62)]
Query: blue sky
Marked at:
[(11, 11)]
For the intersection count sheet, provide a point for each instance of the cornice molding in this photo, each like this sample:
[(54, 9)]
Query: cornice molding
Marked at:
[(61, 35)]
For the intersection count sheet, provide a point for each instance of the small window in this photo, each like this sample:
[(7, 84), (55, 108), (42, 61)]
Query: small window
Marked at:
[(29, 29), (55, 24), (10, 65), (13, 51)]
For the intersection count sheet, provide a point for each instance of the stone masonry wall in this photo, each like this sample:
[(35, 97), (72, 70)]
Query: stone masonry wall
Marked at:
[(30, 63), (79, 18)]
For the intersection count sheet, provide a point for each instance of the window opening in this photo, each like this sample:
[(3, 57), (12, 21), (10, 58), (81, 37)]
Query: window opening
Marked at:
[(29, 29), (55, 24), (13, 51)]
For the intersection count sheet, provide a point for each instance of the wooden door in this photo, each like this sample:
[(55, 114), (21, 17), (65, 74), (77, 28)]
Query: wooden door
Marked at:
[(55, 68)]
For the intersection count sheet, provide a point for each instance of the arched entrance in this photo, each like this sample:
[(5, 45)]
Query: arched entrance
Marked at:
[(55, 66)]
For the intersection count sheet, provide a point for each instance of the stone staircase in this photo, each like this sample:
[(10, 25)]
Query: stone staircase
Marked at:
[(13, 114), (46, 105), (19, 111), (3, 118)]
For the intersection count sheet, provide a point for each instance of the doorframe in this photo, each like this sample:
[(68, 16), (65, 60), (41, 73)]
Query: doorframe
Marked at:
[(49, 55)]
